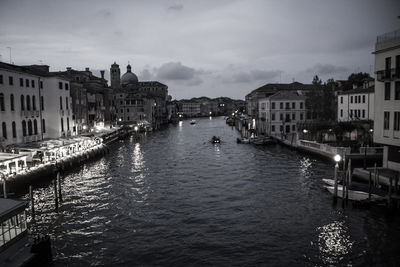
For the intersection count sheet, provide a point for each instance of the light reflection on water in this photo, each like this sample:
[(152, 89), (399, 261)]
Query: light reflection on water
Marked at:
[(173, 198)]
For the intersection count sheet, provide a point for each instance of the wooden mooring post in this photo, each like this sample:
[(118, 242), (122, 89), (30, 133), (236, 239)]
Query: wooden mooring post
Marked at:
[(55, 194), (32, 201), (59, 187), (4, 188), (369, 185)]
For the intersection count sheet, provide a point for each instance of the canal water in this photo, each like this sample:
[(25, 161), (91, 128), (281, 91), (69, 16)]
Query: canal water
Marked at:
[(174, 199)]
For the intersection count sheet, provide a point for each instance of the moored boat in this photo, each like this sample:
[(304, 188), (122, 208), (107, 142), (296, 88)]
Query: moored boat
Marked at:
[(215, 140)]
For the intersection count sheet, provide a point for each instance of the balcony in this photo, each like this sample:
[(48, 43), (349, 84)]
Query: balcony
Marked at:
[(388, 75)]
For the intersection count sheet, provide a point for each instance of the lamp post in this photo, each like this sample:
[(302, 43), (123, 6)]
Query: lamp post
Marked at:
[(337, 159)]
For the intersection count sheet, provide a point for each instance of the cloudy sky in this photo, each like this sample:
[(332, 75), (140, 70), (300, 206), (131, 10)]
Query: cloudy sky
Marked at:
[(200, 48)]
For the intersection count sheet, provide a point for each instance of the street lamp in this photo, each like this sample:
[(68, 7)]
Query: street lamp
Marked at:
[(337, 159)]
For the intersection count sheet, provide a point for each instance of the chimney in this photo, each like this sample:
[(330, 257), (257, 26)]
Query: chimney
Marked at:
[(354, 86), (69, 68), (102, 74), (86, 69)]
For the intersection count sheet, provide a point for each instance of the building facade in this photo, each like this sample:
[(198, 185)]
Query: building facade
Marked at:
[(138, 102), (279, 113), (387, 97), (356, 104), (34, 104)]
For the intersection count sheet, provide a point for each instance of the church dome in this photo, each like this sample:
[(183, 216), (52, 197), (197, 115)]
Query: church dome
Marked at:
[(129, 77)]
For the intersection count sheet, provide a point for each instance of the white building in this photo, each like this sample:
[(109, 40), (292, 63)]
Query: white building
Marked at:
[(356, 104), (387, 97), (189, 109), (33, 104), (280, 112)]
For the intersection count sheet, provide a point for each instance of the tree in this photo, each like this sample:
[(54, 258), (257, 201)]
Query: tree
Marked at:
[(320, 102), (355, 79)]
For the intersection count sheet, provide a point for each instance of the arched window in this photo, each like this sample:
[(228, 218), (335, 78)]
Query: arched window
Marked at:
[(28, 102), (61, 102), (12, 102), (67, 123), (2, 107), (66, 103), (29, 127), (35, 127), (14, 130), (22, 103), (62, 125), (33, 102), (43, 126), (23, 128), (4, 127)]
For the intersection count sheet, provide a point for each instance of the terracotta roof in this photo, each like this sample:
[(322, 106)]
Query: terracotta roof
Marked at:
[(292, 95), (38, 70)]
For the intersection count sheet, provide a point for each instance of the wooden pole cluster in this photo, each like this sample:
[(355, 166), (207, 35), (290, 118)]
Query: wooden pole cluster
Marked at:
[(57, 192), (32, 201), (4, 188)]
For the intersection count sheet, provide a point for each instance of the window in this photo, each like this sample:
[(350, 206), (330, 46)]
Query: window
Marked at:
[(33, 83), (273, 105), (386, 120), (67, 124), (301, 105), (14, 129), (33, 102), (293, 128), (41, 85), (127, 110), (61, 107), (355, 99), (35, 127), (363, 113), (387, 91), (263, 106), (273, 116), (22, 102), (273, 128), (281, 128), (281, 117), (293, 116), (287, 117), (10, 80), (42, 103), (351, 99), (21, 82), (2, 106), (122, 111), (28, 102), (43, 126), (23, 128), (301, 116), (1, 79), (30, 128), (66, 86), (397, 91), (60, 85), (293, 105), (341, 113), (351, 113), (359, 99), (397, 121), (62, 125), (363, 98), (4, 127), (27, 82), (66, 103), (12, 102), (287, 105), (341, 100), (281, 105)]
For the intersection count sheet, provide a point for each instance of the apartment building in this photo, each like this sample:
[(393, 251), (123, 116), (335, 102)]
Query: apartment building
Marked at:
[(387, 97)]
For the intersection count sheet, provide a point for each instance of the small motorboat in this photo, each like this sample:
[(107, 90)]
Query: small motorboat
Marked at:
[(215, 140), (353, 194), (193, 122)]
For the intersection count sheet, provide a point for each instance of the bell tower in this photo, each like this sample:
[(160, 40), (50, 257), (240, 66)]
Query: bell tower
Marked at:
[(115, 76)]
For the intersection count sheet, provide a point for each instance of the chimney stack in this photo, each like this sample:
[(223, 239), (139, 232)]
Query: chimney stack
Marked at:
[(69, 68), (102, 74), (86, 69)]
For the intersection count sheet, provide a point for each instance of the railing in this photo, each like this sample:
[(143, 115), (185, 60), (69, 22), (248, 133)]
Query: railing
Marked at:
[(371, 150), (325, 148), (388, 75), (388, 36)]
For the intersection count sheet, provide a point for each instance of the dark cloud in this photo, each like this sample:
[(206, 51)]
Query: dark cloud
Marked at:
[(326, 69), (145, 75), (256, 75), (176, 7), (175, 71)]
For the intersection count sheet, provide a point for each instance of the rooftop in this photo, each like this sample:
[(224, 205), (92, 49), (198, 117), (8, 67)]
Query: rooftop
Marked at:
[(359, 90), (9, 206), (387, 41)]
